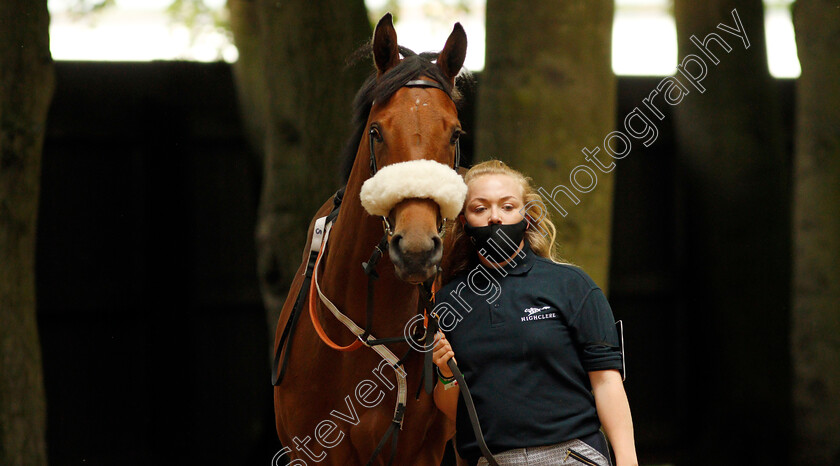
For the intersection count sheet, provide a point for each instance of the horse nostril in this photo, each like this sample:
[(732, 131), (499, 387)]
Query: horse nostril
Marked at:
[(436, 243), (395, 243)]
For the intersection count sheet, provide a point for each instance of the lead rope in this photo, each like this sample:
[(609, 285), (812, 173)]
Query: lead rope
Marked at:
[(462, 384), (465, 394)]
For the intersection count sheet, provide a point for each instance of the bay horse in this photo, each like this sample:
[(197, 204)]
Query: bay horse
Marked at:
[(334, 407)]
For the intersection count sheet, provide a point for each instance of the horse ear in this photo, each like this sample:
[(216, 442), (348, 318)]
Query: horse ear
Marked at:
[(451, 58), (386, 53)]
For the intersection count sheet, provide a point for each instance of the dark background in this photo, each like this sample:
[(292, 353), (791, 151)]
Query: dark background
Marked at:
[(155, 342)]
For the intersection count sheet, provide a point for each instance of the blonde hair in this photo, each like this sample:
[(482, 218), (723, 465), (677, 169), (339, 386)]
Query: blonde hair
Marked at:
[(541, 232)]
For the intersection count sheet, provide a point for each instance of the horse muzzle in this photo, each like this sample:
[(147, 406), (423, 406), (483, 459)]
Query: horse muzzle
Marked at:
[(416, 257), (415, 247)]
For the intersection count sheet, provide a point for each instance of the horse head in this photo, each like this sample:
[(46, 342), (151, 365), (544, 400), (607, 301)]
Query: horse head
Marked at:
[(412, 135)]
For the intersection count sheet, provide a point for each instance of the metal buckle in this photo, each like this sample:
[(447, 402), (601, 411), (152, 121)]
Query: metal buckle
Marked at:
[(381, 252), (387, 226)]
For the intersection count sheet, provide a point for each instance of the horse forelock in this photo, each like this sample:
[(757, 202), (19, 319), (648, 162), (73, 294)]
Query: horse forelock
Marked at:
[(411, 67)]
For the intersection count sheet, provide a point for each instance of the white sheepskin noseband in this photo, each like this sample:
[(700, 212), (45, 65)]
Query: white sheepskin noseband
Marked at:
[(425, 179)]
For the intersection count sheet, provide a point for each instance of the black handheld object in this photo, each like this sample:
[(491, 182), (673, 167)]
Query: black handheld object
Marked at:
[(619, 325), (465, 393)]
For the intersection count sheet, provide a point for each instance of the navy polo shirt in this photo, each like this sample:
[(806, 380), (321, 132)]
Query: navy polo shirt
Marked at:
[(527, 337)]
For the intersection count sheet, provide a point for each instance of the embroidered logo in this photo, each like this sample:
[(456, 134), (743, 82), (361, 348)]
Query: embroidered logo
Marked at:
[(534, 314), (533, 310)]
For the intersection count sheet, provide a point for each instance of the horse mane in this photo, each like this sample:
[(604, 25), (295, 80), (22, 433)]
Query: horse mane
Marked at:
[(412, 66)]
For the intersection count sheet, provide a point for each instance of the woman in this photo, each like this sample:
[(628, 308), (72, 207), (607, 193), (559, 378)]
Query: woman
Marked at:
[(535, 338)]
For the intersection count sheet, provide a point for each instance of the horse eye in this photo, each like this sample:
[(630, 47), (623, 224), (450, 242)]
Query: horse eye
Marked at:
[(375, 134), (455, 136)]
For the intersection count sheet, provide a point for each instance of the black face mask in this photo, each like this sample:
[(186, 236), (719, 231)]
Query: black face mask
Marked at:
[(497, 242)]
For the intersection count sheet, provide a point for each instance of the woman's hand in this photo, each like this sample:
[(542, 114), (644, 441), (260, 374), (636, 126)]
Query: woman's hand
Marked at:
[(442, 354), (445, 400)]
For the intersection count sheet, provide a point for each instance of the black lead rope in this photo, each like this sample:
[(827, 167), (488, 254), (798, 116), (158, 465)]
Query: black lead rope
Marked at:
[(425, 295), (468, 401)]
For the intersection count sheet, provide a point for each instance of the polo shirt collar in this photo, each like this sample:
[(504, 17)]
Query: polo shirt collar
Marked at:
[(522, 265)]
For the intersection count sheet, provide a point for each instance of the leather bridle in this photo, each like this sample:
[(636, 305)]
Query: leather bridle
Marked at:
[(372, 131), (386, 224)]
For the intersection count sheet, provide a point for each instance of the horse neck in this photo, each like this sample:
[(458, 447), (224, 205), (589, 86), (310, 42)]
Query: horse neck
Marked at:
[(352, 240)]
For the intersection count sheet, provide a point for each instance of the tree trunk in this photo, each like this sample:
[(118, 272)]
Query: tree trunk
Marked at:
[(816, 281), (249, 72), (734, 177), (548, 91), (26, 87), (305, 95)]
